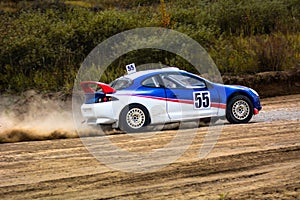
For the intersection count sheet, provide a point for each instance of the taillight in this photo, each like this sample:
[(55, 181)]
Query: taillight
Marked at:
[(106, 99)]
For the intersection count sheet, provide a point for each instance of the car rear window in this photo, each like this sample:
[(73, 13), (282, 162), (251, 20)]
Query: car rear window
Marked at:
[(121, 83)]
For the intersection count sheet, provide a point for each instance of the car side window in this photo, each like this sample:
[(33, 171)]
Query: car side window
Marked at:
[(151, 82), (178, 80), (169, 82), (189, 81)]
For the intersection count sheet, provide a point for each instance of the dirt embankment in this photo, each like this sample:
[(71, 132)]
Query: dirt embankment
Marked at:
[(269, 84)]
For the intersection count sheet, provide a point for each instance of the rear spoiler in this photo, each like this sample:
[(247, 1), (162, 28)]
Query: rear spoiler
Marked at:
[(106, 89)]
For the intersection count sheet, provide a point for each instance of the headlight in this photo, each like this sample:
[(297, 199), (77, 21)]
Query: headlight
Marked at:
[(254, 92)]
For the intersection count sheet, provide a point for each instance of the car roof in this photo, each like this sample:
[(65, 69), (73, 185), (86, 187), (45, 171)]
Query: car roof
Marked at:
[(151, 71)]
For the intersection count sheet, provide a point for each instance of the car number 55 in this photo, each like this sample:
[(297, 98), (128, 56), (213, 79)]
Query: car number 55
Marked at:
[(201, 100)]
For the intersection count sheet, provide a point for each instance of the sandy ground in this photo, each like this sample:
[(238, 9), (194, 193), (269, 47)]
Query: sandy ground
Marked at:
[(259, 160)]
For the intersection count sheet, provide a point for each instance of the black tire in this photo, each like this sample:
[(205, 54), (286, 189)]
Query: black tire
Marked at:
[(134, 118), (239, 110)]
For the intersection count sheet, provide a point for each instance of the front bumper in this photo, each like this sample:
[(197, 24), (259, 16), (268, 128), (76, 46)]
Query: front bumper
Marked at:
[(256, 104)]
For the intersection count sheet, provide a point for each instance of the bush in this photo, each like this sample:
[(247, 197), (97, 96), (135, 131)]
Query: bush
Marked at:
[(275, 52), (43, 43), (240, 17)]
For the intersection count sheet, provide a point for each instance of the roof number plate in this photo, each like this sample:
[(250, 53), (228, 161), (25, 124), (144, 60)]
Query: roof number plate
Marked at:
[(131, 68)]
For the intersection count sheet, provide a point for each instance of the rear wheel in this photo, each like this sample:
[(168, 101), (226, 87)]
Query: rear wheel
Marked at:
[(239, 109), (134, 118)]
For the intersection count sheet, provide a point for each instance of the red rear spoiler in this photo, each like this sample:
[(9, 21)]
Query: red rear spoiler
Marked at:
[(105, 88)]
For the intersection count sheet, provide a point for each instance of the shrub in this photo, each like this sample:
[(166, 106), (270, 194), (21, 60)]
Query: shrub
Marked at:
[(254, 54), (43, 43)]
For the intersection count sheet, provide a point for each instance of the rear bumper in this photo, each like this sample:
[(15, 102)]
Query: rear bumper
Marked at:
[(98, 113)]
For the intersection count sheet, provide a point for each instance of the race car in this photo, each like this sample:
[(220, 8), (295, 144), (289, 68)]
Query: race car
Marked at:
[(162, 96)]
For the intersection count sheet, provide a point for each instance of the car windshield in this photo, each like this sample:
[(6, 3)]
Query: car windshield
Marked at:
[(121, 83)]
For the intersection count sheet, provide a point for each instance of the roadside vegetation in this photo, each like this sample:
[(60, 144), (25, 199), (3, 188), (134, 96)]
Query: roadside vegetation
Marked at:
[(43, 42)]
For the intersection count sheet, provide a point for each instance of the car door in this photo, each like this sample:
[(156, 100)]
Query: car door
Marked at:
[(188, 96), (152, 95)]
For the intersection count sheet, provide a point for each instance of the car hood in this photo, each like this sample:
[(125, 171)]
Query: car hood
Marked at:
[(229, 89)]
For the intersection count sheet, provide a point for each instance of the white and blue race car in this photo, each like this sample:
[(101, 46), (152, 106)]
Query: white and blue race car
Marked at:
[(166, 95)]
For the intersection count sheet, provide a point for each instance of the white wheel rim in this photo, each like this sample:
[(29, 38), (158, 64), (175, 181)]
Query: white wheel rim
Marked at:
[(135, 118), (240, 109)]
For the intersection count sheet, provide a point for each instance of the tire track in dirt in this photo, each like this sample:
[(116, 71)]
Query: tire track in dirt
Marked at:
[(180, 176)]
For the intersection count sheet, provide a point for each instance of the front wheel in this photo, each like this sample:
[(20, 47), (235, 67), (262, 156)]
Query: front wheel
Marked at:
[(134, 118), (239, 109)]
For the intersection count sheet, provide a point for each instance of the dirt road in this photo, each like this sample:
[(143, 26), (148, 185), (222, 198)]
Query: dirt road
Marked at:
[(259, 160)]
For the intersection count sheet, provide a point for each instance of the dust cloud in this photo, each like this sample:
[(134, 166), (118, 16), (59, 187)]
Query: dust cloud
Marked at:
[(33, 116)]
